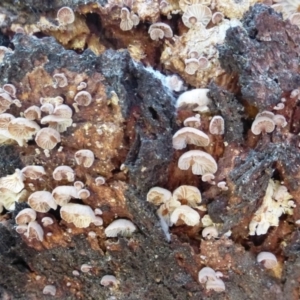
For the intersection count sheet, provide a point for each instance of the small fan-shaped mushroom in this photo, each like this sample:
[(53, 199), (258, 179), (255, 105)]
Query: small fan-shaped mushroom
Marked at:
[(47, 221), (192, 121), (80, 215), (186, 214), (33, 172), (187, 194), (63, 110), (81, 86), (201, 162), (206, 274), (60, 80), (217, 285), (126, 22), (159, 30), (189, 135), (13, 182), (210, 232), (158, 195), (25, 216), (108, 280), (8, 198), (203, 63), (21, 229), (208, 177), (98, 221), (222, 186), (52, 100), (42, 201), (64, 173), (262, 124), (65, 16), (280, 121), (57, 123), (191, 66), (32, 113), (216, 125), (47, 108), (217, 17), (63, 194), (4, 120), (35, 231), (84, 157), (268, 259), (100, 180), (196, 13), (78, 185), (83, 98), (83, 194), (10, 89), (47, 138), (121, 227), (49, 290), (295, 19), (85, 268)]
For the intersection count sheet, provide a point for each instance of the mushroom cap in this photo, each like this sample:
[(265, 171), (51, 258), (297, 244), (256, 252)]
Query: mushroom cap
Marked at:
[(121, 227), (193, 121), (100, 180), (81, 86), (158, 195), (208, 177), (280, 121), (63, 194), (80, 215), (64, 173), (167, 31), (32, 113), (42, 201), (63, 110), (196, 13), (201, 162), (216, 125), (217, 285), (217, 17), (10, 89), (187, 194), (33, 172), (191, 65), (262, 123), (60, 80), (8, 198), (83, 98), (49, 290), (47, 138), (25, 216), (47, 221), (189, 135), (206, 274), (186, 214), (34, 231), (108, 280), (5, 118), (78, 185), (21, 229), (47, 108), (65, 16), (57, 123), (98, 221), (268, 259), (13, 183), (85, 268), (210, 232), (83, 194), (196, 99), (156, 34), (84, 157)]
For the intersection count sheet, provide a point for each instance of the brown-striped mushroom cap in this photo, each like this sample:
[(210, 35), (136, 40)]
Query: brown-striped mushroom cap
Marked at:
[(158, 195), (262, 124), (84, 157), (159, 30), (120, 227), (42, 201), (189, 135), (35, 231), (25, 216), (83, 98), (32, 113), (64, 173), (187, 194), (33, 172), (186, 214), (216, 125), (5, 102), (14, 182), (60, 124), (60, 80), (10, 89), (126, 22), (80, 215), (196, 13), (63, 194), (65, 16), (47, 138), (200, 161)]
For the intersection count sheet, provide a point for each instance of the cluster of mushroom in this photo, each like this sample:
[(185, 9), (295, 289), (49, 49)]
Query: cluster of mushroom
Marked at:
[(201, 162), (277, 201), (211, 279), (266, 121)]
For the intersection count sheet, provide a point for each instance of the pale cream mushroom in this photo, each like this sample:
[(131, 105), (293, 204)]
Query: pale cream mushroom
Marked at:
[(60, 80), (265, 113), (295, 19), (262, 124), (128, 19), (120, 227), (210, 232), (187, 194), (10, 89), (217, 285), (268, 259), (84, 157), (78, 185), (49, 290), (47, 221), (158, 195), (203, 63), (217, 17), (216, 125), (83, 98), (186, 214), (195, 99), (22, 129), (63, 194), (208, 177), (65, 16), (200, 161), (191, 65), (196, 13), (189, 135), (5, 118), (192, 121), (42, 201), (34, 231), (47, 138), (98, 221), (33, 172), (100, 180), (81, 86), (159, 30), (47, 108), (108, 280), (64, 173), (80, 215), (32, 113), (14, 182), (206, 274), (21, 229), (280, 121), (8, 198), (52, 100), (222, 185), (60, 124), (85, 268), (25, 216), (83, 194)]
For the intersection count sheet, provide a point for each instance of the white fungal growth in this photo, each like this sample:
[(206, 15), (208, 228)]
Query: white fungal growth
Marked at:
[(120, 227)]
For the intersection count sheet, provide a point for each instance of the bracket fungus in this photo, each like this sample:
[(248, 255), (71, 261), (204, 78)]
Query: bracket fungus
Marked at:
[(189, 135), (201, 162), (120, 227)]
